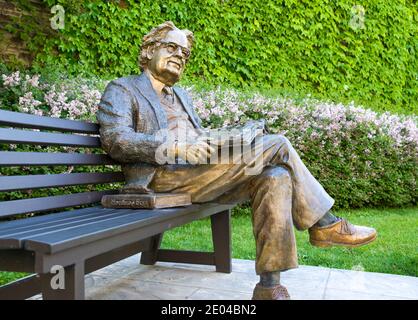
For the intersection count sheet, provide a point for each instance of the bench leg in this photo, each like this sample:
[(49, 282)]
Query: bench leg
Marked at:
[(221, 257), (150, 257), (221, 235), (73, 285)]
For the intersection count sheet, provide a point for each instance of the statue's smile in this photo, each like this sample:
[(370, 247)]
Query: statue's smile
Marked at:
[(178, 64)]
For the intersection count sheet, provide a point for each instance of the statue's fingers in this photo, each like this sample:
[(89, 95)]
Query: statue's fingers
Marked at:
[(211, 149), (192, 157), (203, 157), (207, 147)]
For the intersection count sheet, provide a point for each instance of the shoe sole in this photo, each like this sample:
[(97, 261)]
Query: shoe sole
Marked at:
[(326, 244)]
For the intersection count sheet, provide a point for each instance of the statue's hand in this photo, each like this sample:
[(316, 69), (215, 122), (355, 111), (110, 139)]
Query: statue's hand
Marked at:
[(196, 152)]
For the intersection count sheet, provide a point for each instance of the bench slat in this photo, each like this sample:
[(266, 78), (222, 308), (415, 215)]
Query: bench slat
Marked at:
[(15, 136), (24, 224), (59, 220), (14, 207), (136, 219), (11, 183), (11, 158), (15, 238), (24, 120)]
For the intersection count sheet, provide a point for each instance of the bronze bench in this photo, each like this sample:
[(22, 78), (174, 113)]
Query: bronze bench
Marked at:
[(85, 239)]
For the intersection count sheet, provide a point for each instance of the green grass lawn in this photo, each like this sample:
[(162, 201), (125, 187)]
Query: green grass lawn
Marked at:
[(394, 251)]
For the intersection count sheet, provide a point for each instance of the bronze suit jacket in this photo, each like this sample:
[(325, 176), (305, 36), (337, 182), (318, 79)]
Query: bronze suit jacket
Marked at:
[(129, 116)]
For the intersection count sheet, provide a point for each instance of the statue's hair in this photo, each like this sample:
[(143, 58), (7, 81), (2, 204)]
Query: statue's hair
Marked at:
[(157, 34)]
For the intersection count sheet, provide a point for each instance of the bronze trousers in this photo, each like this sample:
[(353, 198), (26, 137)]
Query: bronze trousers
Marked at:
[(283, 194)]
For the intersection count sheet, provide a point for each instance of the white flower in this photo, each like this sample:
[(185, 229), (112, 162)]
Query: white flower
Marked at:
[(11, 80)]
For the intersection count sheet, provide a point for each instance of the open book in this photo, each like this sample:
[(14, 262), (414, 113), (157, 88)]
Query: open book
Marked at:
[(234, 135)]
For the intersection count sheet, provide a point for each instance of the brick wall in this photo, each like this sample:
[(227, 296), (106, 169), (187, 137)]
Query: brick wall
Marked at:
[(12, 48)]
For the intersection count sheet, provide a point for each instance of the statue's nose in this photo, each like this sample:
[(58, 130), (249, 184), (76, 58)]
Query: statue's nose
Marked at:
[(178, 53)]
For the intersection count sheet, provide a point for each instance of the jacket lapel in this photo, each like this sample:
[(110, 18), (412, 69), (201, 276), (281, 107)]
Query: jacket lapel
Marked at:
[(187, 106), (143, 85)]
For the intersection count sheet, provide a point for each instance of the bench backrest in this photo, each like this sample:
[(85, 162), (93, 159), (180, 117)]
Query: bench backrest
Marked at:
[(67, 133)]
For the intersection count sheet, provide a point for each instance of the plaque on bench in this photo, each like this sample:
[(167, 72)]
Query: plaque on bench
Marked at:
[(146, 200)]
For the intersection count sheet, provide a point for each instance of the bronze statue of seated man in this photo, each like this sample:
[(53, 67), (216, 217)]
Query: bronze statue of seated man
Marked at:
[(139, 114)]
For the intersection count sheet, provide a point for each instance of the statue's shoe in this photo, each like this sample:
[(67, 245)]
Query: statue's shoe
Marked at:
[(341, 233), (277, 292)]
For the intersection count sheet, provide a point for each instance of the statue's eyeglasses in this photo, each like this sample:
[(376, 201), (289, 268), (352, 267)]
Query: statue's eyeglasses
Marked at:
[(173, 47)]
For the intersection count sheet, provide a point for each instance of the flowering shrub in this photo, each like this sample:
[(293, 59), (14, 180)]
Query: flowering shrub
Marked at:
[(75, 98), (362, 158)]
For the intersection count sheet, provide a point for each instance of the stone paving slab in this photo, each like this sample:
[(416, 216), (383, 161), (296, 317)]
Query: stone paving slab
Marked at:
[(373, 284), (127, 280)]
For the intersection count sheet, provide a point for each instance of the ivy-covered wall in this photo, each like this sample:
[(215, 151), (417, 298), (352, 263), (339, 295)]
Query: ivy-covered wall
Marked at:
[(332, 49), (13, 47)]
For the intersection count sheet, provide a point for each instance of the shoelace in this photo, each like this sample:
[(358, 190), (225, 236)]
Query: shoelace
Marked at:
[(346, 227)]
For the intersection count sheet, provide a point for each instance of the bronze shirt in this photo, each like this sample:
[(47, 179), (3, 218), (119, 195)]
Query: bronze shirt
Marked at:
[(177, 118)]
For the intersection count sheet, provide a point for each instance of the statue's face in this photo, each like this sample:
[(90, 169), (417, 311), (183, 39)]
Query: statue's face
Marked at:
[(169, 57)]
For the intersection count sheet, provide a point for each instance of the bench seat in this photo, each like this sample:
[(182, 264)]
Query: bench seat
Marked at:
[(80, 241), (91, 238), (62, 231)]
